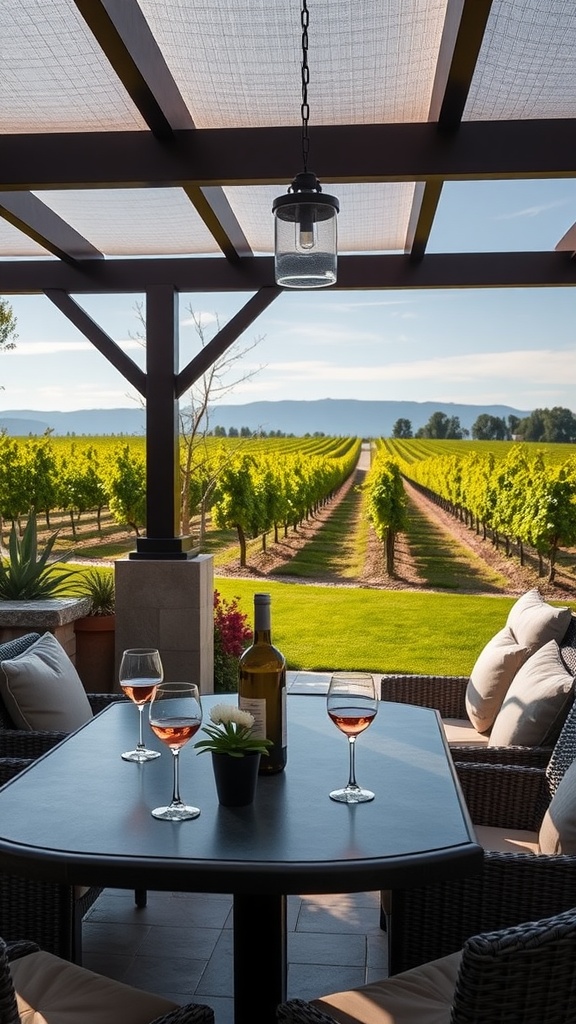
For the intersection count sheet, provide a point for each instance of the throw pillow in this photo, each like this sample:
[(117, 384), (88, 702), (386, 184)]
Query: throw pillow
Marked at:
[(493, 671), (534, 622), (558, 828), (42, 690), (536, 703)]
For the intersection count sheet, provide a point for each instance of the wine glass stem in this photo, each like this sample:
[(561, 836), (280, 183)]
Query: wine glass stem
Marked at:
[(140, 734), (352, 779), (176, 791)]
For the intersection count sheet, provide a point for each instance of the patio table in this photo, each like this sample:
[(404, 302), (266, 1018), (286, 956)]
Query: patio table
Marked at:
[(81, 815)]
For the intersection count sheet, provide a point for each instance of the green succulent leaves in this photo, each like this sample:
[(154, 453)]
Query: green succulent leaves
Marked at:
[(29, 575)]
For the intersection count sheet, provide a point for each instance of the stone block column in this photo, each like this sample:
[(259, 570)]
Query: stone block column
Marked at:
[(169, 604)]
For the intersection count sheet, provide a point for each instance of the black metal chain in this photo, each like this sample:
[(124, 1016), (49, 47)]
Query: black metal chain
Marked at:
[(305, 109)]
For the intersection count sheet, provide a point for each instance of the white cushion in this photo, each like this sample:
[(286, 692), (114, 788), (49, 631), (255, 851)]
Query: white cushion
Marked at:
[(507, 840), (42, 690), (558, 828), (423, 995), (493, 671), (534, 622), (536, 704), (52, 991), (461, 731)]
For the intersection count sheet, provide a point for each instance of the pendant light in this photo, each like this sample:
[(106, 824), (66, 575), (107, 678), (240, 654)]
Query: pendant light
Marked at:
[(305, 230)]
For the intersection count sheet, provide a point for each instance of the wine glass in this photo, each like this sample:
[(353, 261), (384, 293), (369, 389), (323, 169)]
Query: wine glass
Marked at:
[(140, 672), (175, 714), (352, 703)]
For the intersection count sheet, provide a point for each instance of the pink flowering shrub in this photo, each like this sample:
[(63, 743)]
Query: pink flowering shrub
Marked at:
[(232, 634)]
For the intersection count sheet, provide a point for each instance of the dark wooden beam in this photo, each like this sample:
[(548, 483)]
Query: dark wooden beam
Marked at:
[(124, 35), (216, 212), (105, 345), (36, 220), (462, 37), (424, 206), (226, 337), (436, 270), (162, 453), (259, 156)]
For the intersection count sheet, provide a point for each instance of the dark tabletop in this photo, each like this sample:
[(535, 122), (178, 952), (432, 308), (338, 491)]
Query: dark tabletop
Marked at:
[(81, 814)]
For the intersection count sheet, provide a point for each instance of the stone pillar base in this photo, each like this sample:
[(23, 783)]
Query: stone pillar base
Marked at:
[(168, 605)]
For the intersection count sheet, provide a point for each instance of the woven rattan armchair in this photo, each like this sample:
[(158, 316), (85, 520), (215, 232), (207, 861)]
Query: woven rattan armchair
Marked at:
[(434, 920), (47, 913), (66, 991), (447, 694), (25, 743), (524, 974)]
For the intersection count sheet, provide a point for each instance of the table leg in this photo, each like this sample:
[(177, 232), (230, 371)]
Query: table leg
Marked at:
[(260, 958)]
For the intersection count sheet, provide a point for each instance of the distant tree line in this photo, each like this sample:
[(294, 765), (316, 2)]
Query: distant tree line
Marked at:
[(557, 425), (248, 432)]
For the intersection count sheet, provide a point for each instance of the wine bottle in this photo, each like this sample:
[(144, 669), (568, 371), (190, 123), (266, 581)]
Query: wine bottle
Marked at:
[(262, 688)]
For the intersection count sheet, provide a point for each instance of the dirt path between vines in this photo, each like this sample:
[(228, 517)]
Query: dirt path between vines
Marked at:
[(514, 579)]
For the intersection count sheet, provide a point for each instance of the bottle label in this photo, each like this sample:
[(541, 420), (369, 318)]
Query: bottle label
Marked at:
[(257, 708)]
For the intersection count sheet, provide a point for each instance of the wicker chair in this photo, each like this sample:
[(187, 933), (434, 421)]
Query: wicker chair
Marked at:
[(447, 694), (24, 743), (47, 913), (435, 920), (50, 914), (59, 990), (520, 975)]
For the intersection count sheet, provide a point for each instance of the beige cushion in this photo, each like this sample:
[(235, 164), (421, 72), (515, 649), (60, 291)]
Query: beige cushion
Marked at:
[(558, 828), (493, 671), (507, 840), (460, 730), (536, 703), (42, 690), (420, 996), (52, 991), (534, 622)]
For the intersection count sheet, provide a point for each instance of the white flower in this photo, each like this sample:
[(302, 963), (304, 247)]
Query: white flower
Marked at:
[(223, 714)]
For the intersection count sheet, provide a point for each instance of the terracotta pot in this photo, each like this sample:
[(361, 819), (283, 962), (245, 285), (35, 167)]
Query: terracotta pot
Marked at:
[(95, 652), (236, 778)]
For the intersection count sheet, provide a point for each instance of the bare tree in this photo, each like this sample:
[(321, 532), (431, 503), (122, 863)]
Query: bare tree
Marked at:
[(198, 469)]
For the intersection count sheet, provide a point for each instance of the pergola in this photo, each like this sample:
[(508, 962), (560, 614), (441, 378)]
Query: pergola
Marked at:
[(143, 142)]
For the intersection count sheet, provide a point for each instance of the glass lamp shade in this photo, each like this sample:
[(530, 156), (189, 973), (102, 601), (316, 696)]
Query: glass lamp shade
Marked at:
[(305, 239)]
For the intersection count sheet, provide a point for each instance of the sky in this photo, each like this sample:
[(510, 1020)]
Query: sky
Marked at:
[(514, 347)]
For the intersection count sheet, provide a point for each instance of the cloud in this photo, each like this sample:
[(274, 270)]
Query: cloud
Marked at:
[(536, 367), (532, 211)]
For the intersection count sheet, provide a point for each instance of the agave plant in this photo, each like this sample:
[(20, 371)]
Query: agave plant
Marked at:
[(30, 575)]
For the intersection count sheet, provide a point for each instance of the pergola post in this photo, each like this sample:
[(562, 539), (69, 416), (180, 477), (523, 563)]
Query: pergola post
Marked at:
[(163, 540)]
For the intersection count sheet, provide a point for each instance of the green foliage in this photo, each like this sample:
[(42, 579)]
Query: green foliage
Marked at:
[(98, 585), (126, 485), (442, 426), (7, 326), (29, 575)]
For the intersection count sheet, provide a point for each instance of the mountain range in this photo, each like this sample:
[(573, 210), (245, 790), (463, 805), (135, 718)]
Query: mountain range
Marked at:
[(331, 416)]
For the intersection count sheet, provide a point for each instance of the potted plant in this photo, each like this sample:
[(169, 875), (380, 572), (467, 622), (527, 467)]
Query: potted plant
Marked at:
[(96, 632), (235, 753)]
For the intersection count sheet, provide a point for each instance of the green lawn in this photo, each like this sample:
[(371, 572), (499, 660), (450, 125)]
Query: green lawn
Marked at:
[(324, 628)]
